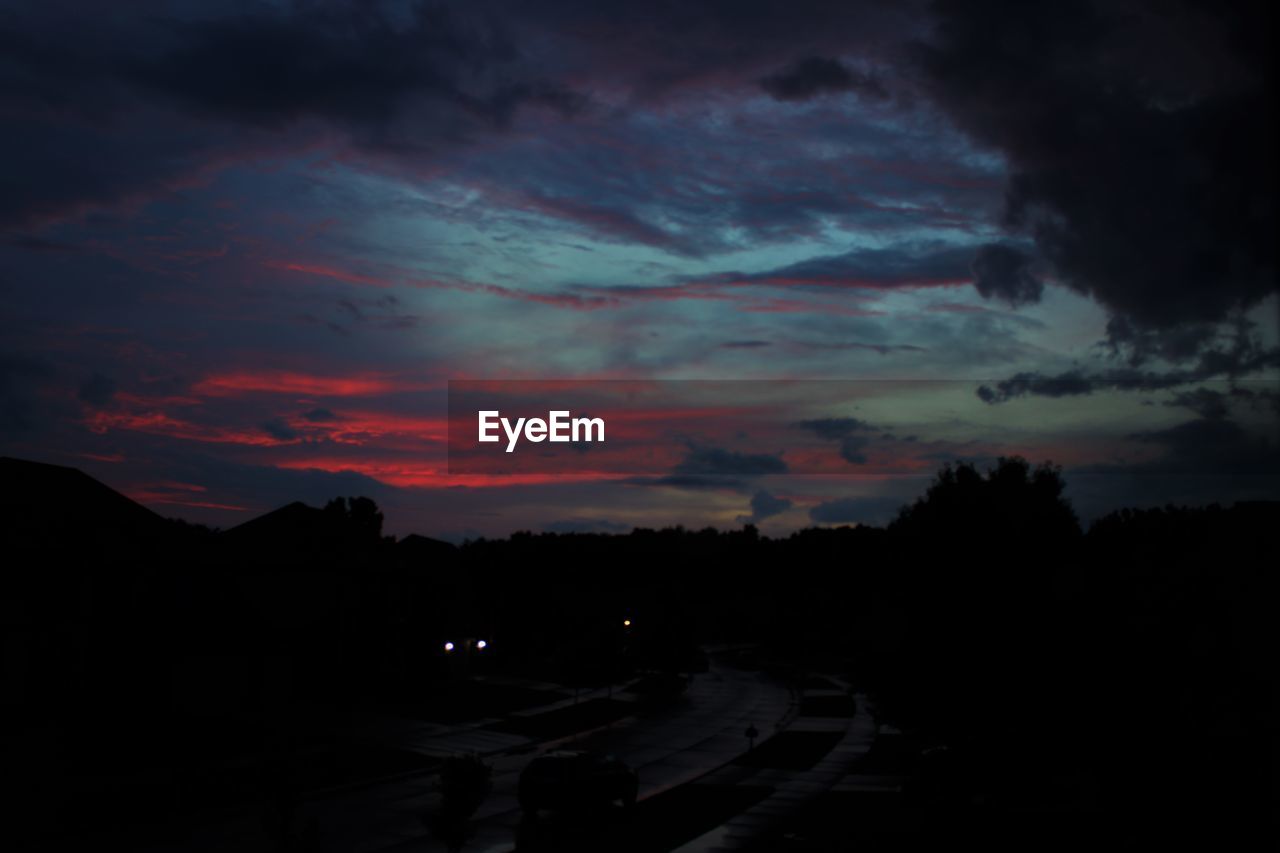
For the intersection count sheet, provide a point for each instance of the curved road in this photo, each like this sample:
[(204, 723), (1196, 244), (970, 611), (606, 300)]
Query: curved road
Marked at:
[(701, 732)]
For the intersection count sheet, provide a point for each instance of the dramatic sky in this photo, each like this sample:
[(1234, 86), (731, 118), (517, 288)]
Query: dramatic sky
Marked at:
[(245, 246)]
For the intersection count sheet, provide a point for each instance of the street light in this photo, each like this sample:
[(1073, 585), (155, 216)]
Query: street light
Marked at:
[(481, 644), (448, 647)]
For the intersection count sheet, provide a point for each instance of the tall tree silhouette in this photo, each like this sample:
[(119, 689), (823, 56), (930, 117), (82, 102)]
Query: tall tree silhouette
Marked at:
[(360, 517), (977, 607), (1012, 501)]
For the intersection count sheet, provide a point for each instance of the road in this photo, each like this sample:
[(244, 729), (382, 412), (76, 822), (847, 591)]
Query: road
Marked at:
[(701, 732)]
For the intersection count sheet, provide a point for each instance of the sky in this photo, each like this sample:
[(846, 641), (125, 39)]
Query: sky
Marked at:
[(244, 247)]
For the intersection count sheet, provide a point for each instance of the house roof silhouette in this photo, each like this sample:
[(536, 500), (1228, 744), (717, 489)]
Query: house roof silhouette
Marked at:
[(295, 519), (42, 497)]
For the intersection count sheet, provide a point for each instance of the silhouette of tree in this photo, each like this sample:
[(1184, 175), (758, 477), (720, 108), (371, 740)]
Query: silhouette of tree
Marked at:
[(1013, 501), (360, 516), (975, 606)]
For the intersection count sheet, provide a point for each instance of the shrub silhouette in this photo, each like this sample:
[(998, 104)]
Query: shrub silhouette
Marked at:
[(464, 784)]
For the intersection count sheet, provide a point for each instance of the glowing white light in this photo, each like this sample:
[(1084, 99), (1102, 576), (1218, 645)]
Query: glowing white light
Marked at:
[(448, 647), (480, 644)]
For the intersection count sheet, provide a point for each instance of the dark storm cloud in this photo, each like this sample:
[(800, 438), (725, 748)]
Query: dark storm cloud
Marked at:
[(853, 449), (1076, 383), (1137, 137), (1200, 461), (1212, 458), (21, 380), (1205, 402), (1245, 354), (1177, 343), (52, 168), (656, 49), (819, 75), (706, 467), (316, 416), (97, 390), (1071, 384), (1003, 272), (765, 505), (1215, 446), (1137, 145), (1213, 404), (271, 68), (1242, 356), (353, 64), (1140, 140), (704, 461), (164, 100), (94, 94), (1260, 399), (77, 132), (280, 430), (833, 429)]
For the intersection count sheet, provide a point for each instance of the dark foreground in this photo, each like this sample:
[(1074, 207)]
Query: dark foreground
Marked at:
[(982, 669)]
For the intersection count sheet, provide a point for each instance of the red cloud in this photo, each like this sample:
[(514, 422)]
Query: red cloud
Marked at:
[(288, 382), (330, 272), (417, 475), (364, 427), (158, 423)]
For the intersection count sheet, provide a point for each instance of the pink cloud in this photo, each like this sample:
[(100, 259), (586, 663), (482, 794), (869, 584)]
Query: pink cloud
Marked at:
[(291, 382)]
